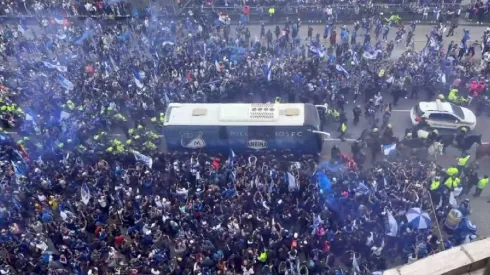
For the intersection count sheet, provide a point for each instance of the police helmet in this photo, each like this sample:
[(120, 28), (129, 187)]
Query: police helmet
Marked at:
[(375, 130)]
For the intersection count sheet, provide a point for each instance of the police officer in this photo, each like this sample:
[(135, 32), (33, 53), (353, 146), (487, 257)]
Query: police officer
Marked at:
[(119, 117), (159, 120), (481, 184), (343, 129), (388, 133), (357, 111), (452, 171), (435, 190), (374, 143), (470, 179), (356, 147), (452, 183), (462, 162), (433, 136), (459, 138), (335, 152), (149, 146), (133, 132)]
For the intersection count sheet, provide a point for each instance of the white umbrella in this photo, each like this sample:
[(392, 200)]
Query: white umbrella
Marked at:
[(418, 219)]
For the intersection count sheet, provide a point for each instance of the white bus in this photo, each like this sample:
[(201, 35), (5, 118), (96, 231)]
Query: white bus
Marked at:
[(244, 127)]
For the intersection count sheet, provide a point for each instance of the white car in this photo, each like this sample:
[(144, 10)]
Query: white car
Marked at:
[(443, 115)]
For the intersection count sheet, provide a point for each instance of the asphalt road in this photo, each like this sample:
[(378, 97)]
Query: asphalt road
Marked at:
[(400, 117)]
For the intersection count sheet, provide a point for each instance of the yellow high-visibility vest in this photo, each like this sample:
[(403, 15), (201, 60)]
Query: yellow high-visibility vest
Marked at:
[(482, 183), (435, 185), (262, 257), (462, 161), (452, 183), (343, 128), (452, 171)]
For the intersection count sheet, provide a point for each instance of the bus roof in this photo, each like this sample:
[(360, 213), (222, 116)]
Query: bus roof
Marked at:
[(236, 114)]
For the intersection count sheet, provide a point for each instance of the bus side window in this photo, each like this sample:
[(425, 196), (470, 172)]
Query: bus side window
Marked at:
[(223, 133)]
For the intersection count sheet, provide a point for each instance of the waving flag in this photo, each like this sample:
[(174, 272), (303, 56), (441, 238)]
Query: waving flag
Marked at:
[(16, 202), (84, 37), (292, 185), (138, 82), (388, 149), (216, 64), (65, 83), (231, 163), (317, 51), (22, 153), (355, 265), (362, 188), (368, 55), (60, 21), (392, 225), (85, 193), (143, 158), (354, 58), (167, 99), (57, 67), (342, 69), (19, 170), (269, 71), (114, 65)]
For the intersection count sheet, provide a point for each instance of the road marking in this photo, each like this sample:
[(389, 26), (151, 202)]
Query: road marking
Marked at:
[(401, 110)]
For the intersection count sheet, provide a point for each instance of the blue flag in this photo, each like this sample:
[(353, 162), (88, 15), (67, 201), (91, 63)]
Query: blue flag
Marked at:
[(65, 83), (57, 67), (143, 158), (84, 37), (231, 163), (19, 170)]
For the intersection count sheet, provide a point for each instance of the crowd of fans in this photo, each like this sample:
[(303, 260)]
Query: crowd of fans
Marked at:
[(81, 102)]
